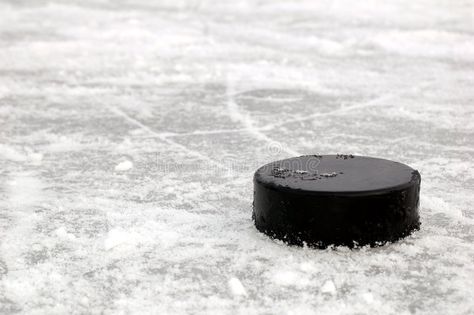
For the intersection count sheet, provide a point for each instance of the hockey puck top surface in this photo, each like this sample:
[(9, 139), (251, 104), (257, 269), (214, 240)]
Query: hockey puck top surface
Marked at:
[(336, 174)]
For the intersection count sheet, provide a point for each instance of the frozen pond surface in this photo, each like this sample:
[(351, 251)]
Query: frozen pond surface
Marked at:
[(130, 130)]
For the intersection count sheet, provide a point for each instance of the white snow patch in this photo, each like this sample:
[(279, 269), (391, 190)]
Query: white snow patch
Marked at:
[(236, 287), (368, 297), (24, 193), (12, 154), (20, 155), (285, 278), (35, 157), (62, 233), (438, 205), (124, 166), (24, 190), (329, 287), (116, 237), (426, 43), (307, 267)]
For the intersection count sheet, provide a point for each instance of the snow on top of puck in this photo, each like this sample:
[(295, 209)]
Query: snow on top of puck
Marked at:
[(124, 166)]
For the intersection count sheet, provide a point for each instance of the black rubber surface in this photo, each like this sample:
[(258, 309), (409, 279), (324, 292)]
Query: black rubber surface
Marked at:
[(336, 200)]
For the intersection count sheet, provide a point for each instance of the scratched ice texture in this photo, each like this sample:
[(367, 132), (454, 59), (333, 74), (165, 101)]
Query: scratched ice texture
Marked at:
[(130, 130)]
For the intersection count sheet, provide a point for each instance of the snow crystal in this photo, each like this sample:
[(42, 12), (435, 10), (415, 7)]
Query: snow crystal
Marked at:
[(124, 166)]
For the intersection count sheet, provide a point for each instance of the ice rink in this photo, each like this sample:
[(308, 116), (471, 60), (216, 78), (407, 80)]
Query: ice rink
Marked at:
[(130, 131)]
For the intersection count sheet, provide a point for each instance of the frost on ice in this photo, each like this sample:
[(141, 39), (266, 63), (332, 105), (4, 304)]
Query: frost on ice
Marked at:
[(130, 131)]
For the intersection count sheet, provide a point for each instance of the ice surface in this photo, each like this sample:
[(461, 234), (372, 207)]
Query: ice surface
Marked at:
[(193, 97)]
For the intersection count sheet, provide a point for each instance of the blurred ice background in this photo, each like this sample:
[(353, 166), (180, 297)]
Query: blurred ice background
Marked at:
[(130, 130)]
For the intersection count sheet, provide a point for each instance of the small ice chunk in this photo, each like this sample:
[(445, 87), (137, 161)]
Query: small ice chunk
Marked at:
[(329, 287), (368, 297), (62, 233), (124, 166), (115, 238), (236, 287)]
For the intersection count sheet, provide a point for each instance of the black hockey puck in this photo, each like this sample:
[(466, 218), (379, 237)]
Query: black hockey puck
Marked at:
[(336, 200)]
